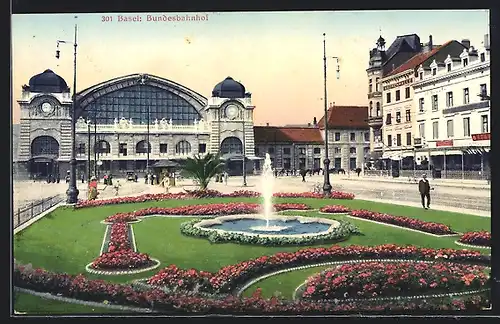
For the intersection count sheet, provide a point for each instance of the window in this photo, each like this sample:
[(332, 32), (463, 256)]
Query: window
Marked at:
[(370, 86), (398, 95), (435, 103), (202, 148), (302, 163), (483, 57), (421, 75), (388, 97), (398, 117), (465, 61), (137, 102), (398, 139), (184, 147), (466, 96), (302, 150), (352, 150), (421, 105), (80, 149), (421, 130), (256, 150), (449, 128), (435, 130), (122, 149), (408, 115), (466, 126), (407, 92), (388, 120), (163, 148), (286, 150), (449, 99), (286, 163), (270, 150), (483, 90), (367, 136), (371, 108), (231, 145), (408, 139), (378, 109), (352, 137), (377, 80), (484, 124), (337, 136), (337, 150), (448, 67), (143, 147), (434, 71), (317, 150), (389, 140)]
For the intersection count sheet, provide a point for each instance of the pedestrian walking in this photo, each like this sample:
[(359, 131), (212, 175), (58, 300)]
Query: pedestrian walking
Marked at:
[(226, 175), (166, 183), (425, 191), (82, 177), (117, 186), (303, 173)]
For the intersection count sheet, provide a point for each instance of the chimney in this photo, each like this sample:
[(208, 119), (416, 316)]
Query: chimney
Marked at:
[(315, 122), (429, 44), (267, 124), (308, 124), (487, 42), (466, 43)]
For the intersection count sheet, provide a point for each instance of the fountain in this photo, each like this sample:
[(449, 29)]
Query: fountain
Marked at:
[(267, 179), (269, 223)]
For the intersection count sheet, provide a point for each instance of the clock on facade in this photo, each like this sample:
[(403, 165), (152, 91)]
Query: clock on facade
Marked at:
[(47, 108), (231, 111)]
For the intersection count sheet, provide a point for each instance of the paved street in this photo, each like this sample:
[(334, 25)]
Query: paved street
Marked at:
[(446, 197)]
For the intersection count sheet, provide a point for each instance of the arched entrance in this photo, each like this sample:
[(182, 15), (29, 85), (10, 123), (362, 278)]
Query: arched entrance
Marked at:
[(44, 154), (231, 150)]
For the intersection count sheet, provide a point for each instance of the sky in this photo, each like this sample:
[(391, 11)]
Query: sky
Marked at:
[(278, 56)]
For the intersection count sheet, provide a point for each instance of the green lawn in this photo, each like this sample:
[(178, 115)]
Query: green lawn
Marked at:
[(34, 305), (67, 239)]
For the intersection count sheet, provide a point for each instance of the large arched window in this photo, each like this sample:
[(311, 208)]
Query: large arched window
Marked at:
[(102, 147), (371, 108), (137, 101), (231, 145), (183, 147), (44, 145), (143, 147), (378, 109)]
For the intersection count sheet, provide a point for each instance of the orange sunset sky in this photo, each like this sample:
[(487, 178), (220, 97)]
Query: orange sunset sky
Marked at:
[(278, 56)]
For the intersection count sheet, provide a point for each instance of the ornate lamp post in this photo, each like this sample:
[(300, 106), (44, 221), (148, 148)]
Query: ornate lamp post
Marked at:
[(244, 152), (72, 192)]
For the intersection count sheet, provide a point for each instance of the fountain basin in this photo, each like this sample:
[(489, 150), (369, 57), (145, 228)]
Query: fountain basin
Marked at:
[(279, 225)]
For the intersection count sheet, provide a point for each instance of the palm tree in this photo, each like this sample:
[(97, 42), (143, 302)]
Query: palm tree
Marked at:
[(203, 168)]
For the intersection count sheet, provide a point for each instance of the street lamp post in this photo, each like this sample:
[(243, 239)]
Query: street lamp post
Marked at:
[(327, 187), (72, 192), (244, 153), (88, 151)]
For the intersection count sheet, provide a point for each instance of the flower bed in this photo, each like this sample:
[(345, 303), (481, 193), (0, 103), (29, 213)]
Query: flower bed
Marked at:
[(367, 280), (337, 234), (482, 238), (205, 194), (228, 278), (120, 260), (208, 209), (119, 254), (80, 287), (333, 195), (416, 224), (334, 209)]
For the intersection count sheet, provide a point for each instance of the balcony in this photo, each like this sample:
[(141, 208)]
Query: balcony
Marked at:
[(158, 128), (472, 106), (375, 94), (375, 121)]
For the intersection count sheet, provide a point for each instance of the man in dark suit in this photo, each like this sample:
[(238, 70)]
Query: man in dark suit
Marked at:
[(425, 191)]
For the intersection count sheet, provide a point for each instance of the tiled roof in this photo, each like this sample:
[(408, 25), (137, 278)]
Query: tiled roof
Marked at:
[(416, 60), (346, 117), (264, 134)]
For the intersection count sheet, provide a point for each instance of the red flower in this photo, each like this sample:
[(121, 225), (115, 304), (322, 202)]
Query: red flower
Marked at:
[(334, 209), (482, 238)]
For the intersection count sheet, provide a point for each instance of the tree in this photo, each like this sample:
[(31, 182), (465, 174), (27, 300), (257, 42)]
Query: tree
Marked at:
[(203, 168)]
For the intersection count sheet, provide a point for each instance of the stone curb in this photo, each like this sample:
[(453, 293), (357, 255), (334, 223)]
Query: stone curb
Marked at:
[(473, 246), (81, 302), (122, 272)]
